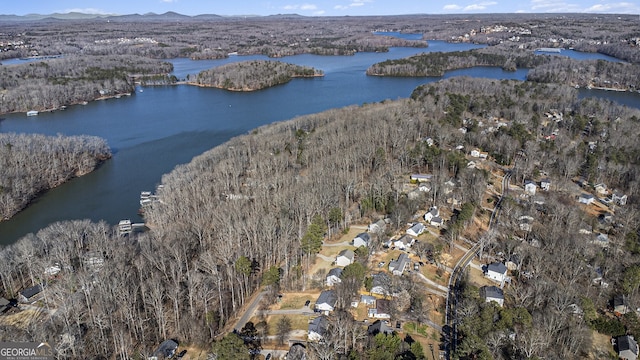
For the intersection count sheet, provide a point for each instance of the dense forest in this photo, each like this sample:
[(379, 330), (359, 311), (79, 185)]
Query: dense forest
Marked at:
[(238, 214), (32, 164), (51, 84), (253, 75)]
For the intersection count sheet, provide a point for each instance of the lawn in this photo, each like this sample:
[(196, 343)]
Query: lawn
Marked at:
[(298, 322), (296, 300)]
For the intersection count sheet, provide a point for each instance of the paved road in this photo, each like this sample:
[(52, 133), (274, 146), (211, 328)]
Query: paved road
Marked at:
[(249, 312)]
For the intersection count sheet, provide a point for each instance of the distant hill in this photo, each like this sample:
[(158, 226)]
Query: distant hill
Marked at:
[(168, 16)]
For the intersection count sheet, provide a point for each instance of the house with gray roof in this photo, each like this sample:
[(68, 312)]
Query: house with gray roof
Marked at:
[(333, 277), (379, 327), (492, 293), (399, 265), (318, 328), (345, 257), (362, 239), (496, 272), (627, 347), (416, 229), (404, 242), (31, 294), (326, 301)]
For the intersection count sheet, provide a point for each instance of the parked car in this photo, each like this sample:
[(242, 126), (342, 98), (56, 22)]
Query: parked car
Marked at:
[(306, 303)]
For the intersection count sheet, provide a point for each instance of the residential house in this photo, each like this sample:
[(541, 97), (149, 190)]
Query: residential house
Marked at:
[(619, 198), (404, 242), (355, 301), (345, 257), (424, 187), (436, 222), (514, 262), (586, 198), (620, 305), (362, 239), (381, 284), (545, 184), (398, 266), (601, 189), (497, 272), (525, 222), (318, 328), (530, 187), (627, 347), (297, 351), (492, 293), (166, 350), (326, 301), (421, 177), (368, 300), (333, 277), (475, 153), (382, 309), (416, 229), (379, 327), (601, 239), (31, 294), (433, 212), (378, 226)]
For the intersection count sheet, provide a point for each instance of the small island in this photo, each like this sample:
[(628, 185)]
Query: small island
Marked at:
[(253, 75)]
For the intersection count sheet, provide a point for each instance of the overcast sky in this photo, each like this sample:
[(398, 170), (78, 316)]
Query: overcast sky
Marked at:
[(317, 7)]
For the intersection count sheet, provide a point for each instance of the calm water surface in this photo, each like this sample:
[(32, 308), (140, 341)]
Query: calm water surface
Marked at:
[(153, 131)]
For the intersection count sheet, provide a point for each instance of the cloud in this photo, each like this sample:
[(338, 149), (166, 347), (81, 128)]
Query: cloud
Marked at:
[(86, 11), (353, 4), (553, 6), (169, 1), (304, 7), (319, 12), (451, 7), (480, 6), (619, 8)]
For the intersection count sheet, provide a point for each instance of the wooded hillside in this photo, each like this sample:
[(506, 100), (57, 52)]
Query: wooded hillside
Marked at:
[(50, 84), (242, 210), (32, 164)]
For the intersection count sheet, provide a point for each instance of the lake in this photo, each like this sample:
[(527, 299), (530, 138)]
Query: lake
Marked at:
[(152, 131)]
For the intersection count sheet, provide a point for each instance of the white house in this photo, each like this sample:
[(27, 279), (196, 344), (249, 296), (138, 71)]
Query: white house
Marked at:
[(525, 222), (333, 277), (492, 293), (530, 187), (421, 177), (619, 198), (586, 198), (377, 226), (367, 299), (475, 153), (497, 272), (545, 184), (404, 242), (416, 229), (436, 222), (318, 328), (345, 257), (627, 347), (433, 212), (381, 311), (381, 284), (362, 239), (398, 266), (326, 301)]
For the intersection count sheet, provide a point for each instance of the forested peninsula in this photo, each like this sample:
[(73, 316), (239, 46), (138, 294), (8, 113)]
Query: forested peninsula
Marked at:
[(253, 75), (32, 164), (543, 68), (73, 79)]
